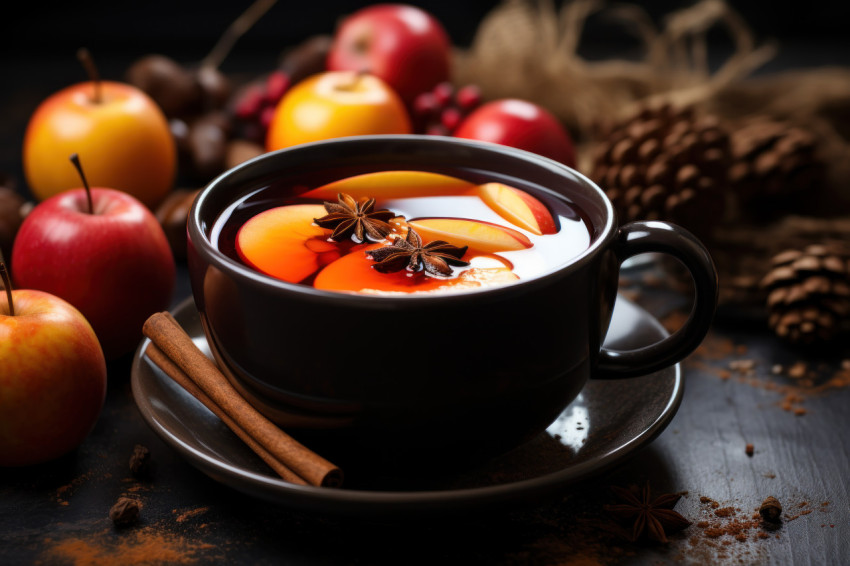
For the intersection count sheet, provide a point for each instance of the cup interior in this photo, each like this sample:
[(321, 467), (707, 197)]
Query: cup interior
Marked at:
[(314, 164)]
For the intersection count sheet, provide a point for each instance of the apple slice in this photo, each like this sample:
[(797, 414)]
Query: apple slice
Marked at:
[(477, 234), (285, 243), (393, 184), (518, 207), (354, 273)]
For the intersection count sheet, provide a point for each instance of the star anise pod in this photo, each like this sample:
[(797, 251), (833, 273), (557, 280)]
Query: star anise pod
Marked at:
[(347, 217), (434, 257), (655, 517)]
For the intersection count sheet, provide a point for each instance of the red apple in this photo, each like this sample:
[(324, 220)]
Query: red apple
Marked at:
[(520, 124), (402, 44), (52, 381), (118, 130), (123, 269)]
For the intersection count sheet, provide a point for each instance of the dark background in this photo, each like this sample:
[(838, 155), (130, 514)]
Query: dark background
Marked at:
[(190, 27), (39, 42), (796, 456), (192, 24)]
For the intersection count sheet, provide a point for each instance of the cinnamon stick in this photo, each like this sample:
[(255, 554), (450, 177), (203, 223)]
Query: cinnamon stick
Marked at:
[(178, 346), (162, 361)]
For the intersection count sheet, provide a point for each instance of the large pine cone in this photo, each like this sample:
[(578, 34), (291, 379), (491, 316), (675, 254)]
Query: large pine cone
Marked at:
[(808, 298), (665, 164), (773, 163)]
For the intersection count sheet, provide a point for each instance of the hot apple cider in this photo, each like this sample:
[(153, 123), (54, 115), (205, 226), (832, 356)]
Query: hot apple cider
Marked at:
[(397, 232)]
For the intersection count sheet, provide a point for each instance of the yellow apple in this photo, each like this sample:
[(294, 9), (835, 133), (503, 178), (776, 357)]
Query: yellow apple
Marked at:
[(119, 132), (336, 104)]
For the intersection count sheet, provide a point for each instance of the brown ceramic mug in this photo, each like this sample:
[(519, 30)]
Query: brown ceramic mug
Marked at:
[(422, 377)]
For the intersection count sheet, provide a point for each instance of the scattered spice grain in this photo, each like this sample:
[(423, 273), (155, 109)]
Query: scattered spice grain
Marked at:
[(125, 512), (140, 462), (771, 510)]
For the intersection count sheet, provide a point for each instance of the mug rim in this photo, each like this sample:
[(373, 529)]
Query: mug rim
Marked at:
[(203, 245)]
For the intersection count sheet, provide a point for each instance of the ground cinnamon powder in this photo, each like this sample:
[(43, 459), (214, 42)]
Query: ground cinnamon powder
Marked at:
[(722, 358), (147, 545)]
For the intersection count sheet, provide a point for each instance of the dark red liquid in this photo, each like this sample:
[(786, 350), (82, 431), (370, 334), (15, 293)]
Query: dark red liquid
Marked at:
[(548, 252)]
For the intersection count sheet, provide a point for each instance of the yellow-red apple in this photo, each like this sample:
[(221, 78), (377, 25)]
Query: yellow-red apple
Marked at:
[(117, 129), (518, 207), (333, 105), (52, 381), (477, 234)]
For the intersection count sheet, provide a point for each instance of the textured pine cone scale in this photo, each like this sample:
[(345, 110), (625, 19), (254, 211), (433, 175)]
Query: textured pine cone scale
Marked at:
[(808, 297), (665, 164)]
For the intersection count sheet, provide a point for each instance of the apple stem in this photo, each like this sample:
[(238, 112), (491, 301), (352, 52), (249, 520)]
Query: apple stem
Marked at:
[(7, 284), (355, 78), (239, 26), (88, 62), (75, 159)]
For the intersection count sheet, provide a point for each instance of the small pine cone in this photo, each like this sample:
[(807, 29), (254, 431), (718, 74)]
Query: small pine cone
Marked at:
[(665, 164), (773, 162), (808, 299)]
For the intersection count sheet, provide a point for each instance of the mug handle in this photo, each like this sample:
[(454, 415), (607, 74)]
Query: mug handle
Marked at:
[(654, 236)]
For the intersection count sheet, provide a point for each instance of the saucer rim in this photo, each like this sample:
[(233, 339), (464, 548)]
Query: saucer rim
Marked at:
[(378, 502)]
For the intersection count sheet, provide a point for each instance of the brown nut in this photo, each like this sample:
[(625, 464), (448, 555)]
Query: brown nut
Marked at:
[(172, 214), (240, 151), (169, 84), (11, 217)]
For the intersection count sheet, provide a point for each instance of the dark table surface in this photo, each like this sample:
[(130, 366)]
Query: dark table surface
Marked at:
[(797, 426)]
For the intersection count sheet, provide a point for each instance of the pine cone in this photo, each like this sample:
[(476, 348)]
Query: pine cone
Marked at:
[(773, 162), (808, 299), (667, 164)]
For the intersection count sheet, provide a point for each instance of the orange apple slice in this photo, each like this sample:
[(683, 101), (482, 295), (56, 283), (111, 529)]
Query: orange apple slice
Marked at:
[(354, 273), (477, 234), (518, 207), (393, 184), (283, 242)]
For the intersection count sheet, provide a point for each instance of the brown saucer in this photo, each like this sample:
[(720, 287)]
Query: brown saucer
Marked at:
[(608, 422)]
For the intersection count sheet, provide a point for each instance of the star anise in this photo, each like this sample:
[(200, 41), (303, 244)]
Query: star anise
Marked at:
[(349, 217), (654, 517), (434, 257)]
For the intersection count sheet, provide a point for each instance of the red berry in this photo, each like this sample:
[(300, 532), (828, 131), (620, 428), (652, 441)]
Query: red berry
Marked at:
[(451, 118), (249, 105), (444, 92), (277, 84), (436, 130), (266, 115), (468, 97), (425, 104)]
